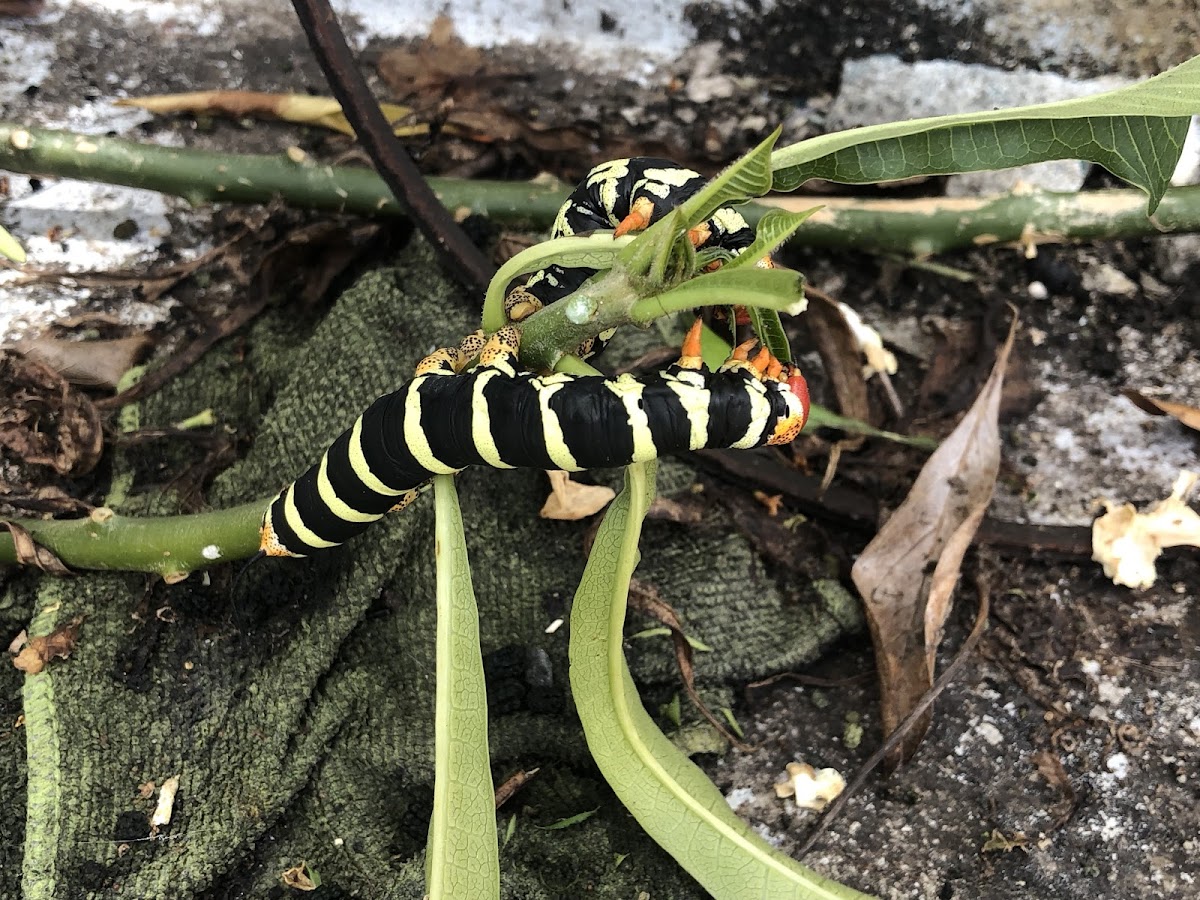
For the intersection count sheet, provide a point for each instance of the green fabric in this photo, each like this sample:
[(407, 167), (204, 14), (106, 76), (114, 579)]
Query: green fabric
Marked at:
[(297, 709)]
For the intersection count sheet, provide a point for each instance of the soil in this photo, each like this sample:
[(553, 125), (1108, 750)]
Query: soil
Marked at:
[(1064, 760)]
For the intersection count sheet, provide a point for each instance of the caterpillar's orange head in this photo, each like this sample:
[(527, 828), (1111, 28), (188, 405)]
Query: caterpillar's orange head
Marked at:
[(788, 427)]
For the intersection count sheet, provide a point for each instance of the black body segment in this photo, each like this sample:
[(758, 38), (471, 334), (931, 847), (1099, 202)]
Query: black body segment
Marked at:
[(442, 423), (607, 196)]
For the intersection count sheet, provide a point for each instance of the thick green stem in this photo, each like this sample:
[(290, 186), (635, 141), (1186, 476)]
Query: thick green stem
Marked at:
[(913, 227), (200, 175), (929, 226), (171, 546)]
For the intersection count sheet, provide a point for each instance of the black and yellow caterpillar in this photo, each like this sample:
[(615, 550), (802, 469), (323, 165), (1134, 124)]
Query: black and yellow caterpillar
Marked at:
[(626, 195), (445, 420)]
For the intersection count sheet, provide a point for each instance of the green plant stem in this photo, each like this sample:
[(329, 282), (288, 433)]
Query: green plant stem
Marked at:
[(928, 226), (171, 546), (913, 227), (201, 175)]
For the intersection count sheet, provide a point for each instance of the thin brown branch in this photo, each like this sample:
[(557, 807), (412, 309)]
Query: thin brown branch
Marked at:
[(391, 160), (896, 737)]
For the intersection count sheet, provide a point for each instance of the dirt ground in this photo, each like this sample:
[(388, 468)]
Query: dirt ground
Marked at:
[(1064, 761)]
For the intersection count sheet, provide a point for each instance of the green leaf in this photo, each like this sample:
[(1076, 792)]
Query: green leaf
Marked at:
[(747, 177), (769, 329), (773, 229), (1135, 132), (595, 251), (668, 795), (778, 289), (820, 417), (462, 859), (570, 820), (11, 247)]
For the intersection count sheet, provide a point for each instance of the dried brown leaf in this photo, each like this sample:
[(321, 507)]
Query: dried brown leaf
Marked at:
[(44, 421), (324, 112), (98, 364), (30, 553), (907, 574), (571, 501), (40, 650), (683, 511), (840, 358), (1182, 412), (298, 878), (1050, 767), (441, 63)]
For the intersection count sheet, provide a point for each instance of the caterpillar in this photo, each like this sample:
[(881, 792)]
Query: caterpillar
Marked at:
[(626, 195), (446, 419)]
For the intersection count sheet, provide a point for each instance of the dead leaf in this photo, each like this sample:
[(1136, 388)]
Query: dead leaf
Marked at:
[(772, 502), (1050, 767), (687, 510), (1127, 542), (1181, 412), (97, 364), (324, 112), (40, 650), (513, 783), (999, 841), (440, 63), (839, 353), (300, 878), (571, 501), (907, 574), (44, 421), (30, 553)]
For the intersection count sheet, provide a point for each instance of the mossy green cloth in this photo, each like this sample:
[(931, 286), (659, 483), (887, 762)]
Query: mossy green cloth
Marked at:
[(296, 707)]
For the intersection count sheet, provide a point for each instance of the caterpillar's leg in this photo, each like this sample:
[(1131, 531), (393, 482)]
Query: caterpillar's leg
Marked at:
[(639, 217), (408, 498), (779, 377), (443, 361), (472, 345), (689, 353), (501, 350), (452, 360), (763, 366), (520, 303)]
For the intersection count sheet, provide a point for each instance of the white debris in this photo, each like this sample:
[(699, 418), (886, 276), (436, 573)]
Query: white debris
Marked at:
[(166, 804), (990, 733), (870, 342), (739, 797), (211, 552), (811, 788), (1118, 764), (1127, 542)]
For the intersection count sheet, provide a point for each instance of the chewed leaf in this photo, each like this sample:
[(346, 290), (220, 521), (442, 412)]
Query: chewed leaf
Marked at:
[(1135, 132)]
